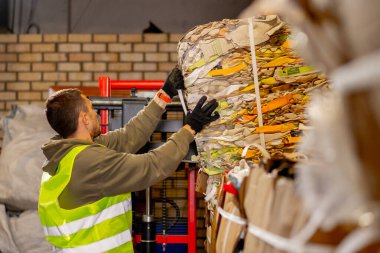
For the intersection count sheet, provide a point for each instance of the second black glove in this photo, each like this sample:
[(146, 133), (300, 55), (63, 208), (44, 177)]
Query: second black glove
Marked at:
[(202, 114)]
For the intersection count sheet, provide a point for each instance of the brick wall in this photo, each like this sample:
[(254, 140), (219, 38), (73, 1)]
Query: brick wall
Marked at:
[(30, 64)]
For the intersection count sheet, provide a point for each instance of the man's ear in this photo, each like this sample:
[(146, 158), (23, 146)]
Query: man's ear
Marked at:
[(83, 117)]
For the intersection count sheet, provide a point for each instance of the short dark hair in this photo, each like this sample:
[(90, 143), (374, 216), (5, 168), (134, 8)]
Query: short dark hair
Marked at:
[(63, 109)]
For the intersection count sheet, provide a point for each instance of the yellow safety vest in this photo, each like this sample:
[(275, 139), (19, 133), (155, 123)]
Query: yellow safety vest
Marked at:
[(102, 226)]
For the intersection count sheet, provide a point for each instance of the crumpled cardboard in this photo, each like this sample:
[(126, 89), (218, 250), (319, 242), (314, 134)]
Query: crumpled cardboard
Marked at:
[(229, 231)]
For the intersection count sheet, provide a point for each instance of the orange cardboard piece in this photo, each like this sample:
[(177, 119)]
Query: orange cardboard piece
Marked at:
[(280, 102), (275, 129)]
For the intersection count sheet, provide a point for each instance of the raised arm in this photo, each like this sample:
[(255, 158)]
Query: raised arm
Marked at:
[(137, 131), (118, 172)]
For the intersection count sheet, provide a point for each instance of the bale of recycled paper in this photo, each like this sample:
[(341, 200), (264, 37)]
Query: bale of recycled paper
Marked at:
[(216, 61)]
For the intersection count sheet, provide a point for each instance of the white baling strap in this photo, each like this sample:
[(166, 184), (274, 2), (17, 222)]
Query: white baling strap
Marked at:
[(211, 194), (180, 94), (358, 240), (234, 219), (287, 244), (231, 217), (256, 80), (262, 149)]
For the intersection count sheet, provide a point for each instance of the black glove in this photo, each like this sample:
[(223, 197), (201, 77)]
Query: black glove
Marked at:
[(173, 83), (201, 116)]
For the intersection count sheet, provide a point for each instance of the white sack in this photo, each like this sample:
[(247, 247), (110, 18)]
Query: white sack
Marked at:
[(28, 234), (21, 158), (7, 244)]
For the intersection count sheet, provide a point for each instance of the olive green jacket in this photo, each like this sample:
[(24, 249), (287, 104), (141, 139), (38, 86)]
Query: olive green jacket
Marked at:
[(100, 171)]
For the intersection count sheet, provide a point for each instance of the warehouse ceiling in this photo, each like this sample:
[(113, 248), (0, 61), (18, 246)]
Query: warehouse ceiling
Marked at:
[(114, 16)]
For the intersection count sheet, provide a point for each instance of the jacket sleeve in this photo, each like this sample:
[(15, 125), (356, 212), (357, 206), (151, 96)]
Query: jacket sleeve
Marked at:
[(135, 133), (118, 173)]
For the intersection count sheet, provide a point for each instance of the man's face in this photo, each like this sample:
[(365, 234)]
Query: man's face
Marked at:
[(94, 126)]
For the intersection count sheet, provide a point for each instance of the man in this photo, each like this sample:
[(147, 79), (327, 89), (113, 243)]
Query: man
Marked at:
[(85, 202)]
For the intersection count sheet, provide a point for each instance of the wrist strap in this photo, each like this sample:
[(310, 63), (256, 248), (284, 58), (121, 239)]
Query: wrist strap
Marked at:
[(161, 94)]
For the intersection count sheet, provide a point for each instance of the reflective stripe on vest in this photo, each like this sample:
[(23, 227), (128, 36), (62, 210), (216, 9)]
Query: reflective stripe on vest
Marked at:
[(119, 243), (101, 226)]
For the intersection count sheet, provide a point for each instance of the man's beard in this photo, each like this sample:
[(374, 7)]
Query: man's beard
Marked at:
[(95, 132)]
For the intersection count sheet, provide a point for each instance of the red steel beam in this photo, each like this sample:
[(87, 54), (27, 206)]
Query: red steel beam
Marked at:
[(191, 211), (106, 85), (136, 84), (105, 91)]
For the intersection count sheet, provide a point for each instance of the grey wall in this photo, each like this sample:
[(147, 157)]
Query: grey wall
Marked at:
[(125, 16)]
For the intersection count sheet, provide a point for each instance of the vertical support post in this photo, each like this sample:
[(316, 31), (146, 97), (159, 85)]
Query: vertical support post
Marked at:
[(105, 91), (147, 202), (191, 211), (148, 226)]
